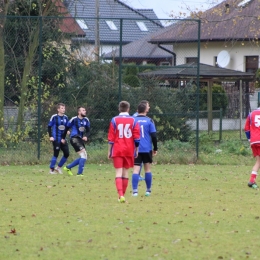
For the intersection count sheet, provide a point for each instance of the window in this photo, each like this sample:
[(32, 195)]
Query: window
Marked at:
[(82, 24), (252, 63), (191, 59), (111, 25), (142, 26)]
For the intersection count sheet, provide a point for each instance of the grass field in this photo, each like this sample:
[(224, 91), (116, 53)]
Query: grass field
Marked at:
[(194, 212)]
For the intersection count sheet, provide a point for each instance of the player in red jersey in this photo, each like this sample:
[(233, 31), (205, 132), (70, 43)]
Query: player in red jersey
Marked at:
[(252, 130), (123, 143)]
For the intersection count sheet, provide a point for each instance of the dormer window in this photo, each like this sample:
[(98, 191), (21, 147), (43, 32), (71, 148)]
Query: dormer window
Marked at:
[(142, 26), (111, 25), (243, 3), (82, 24)]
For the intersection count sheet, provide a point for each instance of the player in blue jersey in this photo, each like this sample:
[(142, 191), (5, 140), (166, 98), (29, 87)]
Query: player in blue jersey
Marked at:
[(80, 130), (57, 134), (145, 155), (134, 115)]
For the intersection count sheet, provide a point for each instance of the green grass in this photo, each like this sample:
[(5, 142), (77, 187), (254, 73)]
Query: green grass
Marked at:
[(194, 212)]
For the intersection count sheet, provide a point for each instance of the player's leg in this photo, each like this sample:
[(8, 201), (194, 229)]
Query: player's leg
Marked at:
[(82, 161), (141, 178), (77, 147), (135, 175), (128, 162), (118, 165), (253, 176), (56, 150), (65, 149), (135, 180), (147, 160)]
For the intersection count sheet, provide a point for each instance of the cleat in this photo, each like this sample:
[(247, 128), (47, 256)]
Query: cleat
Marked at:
[(68, 171), (141, 178), (147, 194), (122, 199), (80, 174), (58, 170), (135, 194), (52, 172), (252, 185)]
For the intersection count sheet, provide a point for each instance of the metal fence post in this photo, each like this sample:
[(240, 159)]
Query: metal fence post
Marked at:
[(220, 124), (39, 87)]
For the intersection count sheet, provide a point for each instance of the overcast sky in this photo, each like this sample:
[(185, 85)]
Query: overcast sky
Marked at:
[(163, 8)]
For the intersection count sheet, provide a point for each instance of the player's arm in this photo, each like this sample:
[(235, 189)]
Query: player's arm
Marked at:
[(247, 127), (154, 141), (49, 130), (87, 133), (136, 136)]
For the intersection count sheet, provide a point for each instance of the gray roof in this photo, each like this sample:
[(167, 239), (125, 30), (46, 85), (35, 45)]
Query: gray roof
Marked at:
[(113, 10), (142, 49), (189, 70)]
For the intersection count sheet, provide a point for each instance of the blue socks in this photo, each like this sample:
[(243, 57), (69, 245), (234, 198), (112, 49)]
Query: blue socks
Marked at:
[(148, 181), (53, 162), (81, 165), (73, 164), (135, 180), (62, 161)]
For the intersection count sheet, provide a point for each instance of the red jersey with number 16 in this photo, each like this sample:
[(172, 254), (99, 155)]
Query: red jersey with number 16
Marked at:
[(252, 126), (123, 133)]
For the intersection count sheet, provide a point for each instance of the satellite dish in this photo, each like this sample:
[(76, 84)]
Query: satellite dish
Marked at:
[(223, 59)]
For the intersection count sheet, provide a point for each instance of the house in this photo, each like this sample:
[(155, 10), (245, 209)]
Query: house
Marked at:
[(229, 36), (114, 18)]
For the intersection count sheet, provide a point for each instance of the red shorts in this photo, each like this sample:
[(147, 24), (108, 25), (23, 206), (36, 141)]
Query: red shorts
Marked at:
[(123, 162), (255, 149)]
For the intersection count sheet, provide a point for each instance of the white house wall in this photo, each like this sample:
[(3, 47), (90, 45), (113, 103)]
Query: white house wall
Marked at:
[(208, 51)]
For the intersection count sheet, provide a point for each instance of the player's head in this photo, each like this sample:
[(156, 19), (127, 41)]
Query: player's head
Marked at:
[(82, 112), (142, 108), (147, 105), (61, 108), (124, 106)]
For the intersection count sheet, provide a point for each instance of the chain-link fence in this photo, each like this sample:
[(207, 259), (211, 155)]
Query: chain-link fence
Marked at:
[(96, 63)]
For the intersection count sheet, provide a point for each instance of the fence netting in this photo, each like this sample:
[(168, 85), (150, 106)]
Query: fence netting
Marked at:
[(96, 63)]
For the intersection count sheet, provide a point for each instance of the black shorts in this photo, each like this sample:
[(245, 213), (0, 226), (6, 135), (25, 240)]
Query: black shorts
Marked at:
[(60, 146), (144, 158), (77, 143)]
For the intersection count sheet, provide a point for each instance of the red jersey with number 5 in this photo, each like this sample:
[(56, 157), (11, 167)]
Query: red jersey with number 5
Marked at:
[(252, 126), (123, 133)]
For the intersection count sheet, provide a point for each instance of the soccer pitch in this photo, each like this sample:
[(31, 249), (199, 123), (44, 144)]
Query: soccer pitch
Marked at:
[(194, 212)]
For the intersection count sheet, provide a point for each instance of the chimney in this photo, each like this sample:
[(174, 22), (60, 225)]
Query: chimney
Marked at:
[(227, 9)]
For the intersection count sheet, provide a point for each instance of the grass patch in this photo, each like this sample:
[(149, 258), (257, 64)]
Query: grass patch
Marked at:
[(194, 212)]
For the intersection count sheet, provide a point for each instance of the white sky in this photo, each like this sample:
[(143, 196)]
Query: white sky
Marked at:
[(163, 8)]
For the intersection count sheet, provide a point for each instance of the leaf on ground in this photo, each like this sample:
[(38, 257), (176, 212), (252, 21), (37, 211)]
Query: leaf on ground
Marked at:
[(12, 231)]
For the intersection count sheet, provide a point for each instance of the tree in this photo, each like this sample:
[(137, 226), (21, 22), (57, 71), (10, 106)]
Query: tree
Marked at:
[(3, 11), (29, 25)]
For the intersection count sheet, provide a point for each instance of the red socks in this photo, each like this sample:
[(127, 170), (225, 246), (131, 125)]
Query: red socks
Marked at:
[(253, 177), (119, 186), (125, 184)]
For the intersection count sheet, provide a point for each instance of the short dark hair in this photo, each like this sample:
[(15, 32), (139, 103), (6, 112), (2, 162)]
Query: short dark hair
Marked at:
[(142, 107), (60, 105), (79, 108), (144, 101), (123, 106)]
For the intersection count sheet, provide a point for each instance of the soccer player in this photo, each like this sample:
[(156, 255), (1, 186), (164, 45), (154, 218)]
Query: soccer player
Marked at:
[(123, 142), (80, 130), (136, 114), (147, 138), (57, 134), (252, 130)]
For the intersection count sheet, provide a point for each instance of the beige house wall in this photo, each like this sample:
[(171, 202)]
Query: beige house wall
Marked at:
[(208, 51)]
